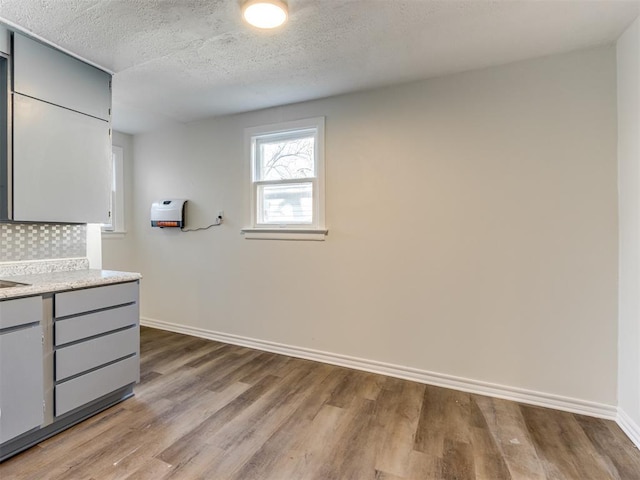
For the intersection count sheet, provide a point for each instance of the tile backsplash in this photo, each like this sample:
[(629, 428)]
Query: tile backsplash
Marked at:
[(40, 241)]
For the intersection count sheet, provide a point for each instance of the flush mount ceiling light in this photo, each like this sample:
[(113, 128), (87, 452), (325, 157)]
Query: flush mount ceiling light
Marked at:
[(265, 13)]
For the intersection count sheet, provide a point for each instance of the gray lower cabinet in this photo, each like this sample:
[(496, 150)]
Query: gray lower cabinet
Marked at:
[(21, 370), (63, 358), (97, 343)]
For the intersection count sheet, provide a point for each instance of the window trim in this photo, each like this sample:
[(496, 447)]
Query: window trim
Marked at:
[(117, 226), (291, 231)]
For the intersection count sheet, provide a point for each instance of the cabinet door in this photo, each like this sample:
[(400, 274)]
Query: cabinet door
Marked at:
[(21, 382), (4, 40), (61, 164), (42, 72)]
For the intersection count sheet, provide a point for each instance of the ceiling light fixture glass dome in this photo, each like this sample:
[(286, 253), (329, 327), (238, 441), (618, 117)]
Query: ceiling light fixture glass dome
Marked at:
[(265, 13)]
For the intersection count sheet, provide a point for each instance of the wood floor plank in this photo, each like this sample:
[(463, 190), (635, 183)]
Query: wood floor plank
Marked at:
[(64, 462), (397, 414), (311, 424), (178, 357), (275, 365), (488, 459), (165, 386), (457, 460), (445, 414), (618, 451), (345, 393), (242, 370), (52, 454), (562, 446), (133, 449), (217, 352), (151, 469), (260, 420), (190, 444), (506, 425), (160, 351), (353, 455), (253, 428), (299, 455), (424, 466), (214, 369), (207, 410)]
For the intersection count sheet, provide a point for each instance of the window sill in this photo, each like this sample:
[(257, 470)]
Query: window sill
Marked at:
[(113, 235), (283, 234)]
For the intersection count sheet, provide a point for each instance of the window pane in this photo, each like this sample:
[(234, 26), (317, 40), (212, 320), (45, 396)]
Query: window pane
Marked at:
[(291, 203), (285, 159)]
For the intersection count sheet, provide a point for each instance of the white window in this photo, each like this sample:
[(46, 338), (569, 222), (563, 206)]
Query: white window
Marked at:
[(116, 211), (287, 180)]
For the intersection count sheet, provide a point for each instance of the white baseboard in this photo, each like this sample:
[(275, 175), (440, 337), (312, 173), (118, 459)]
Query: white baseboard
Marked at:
[(531, 397), (628, 426)]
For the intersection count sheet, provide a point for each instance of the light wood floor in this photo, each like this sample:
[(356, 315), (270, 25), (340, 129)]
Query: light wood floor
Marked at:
[(206, 410)]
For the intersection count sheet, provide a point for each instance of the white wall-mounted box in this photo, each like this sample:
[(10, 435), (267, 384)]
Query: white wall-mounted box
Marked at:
[(168, 213)]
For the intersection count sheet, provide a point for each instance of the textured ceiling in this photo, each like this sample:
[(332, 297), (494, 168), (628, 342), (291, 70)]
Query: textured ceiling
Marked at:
[(189, 59)]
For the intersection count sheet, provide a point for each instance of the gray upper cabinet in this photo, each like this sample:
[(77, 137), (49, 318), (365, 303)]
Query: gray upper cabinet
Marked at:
[(61, 164), (55, 160), (42, 72), (4, 40)]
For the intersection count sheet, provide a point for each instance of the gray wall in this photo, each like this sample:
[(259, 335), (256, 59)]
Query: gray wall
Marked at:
[(472, 229)]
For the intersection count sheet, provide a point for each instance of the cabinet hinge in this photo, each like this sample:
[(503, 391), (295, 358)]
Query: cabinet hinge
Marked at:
[(43, 339), (109, 84), (44, 406)]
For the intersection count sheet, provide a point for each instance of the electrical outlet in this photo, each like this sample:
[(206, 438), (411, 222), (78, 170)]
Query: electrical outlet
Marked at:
[(220, 216)]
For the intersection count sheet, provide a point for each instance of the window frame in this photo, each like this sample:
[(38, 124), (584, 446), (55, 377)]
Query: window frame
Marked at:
[(117, 225), (287, 231)]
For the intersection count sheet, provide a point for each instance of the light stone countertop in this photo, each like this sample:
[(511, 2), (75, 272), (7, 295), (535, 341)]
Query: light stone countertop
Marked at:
[(59, 281)]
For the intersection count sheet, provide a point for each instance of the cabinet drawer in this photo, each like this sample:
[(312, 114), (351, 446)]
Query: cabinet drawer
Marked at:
[(84, 356), (80, 301), (68, 82), (20, 311), (90, 324), (85, 388)]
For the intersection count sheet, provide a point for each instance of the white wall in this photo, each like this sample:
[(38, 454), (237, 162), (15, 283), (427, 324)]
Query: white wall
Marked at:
[(94, 245), (118, 251), (628, 54), (472, 229)]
